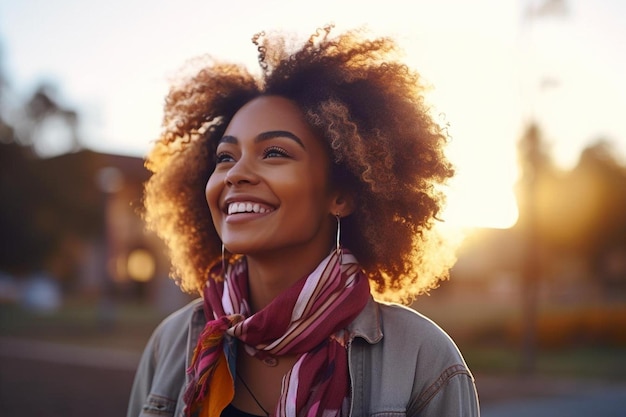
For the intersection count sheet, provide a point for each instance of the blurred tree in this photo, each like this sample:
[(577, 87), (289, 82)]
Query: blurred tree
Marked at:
[(16, 184), (599, 181), (46, 203), (46, 126), (578, 213), (21, 245), (569, 215)]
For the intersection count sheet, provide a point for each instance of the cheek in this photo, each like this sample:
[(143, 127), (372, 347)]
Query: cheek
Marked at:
[(212, 193), (312, 196)]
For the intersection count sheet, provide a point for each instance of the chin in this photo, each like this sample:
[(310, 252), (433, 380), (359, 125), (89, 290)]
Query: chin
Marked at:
[(244, 248)]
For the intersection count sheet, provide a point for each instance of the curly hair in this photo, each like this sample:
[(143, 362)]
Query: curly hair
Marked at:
[(385, 148)]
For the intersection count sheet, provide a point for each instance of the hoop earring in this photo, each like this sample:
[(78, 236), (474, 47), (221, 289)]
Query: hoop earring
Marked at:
[(223, 263), (338, 243)]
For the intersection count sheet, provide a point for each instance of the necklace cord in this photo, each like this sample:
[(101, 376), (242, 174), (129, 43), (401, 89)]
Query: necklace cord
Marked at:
[(252, 394)]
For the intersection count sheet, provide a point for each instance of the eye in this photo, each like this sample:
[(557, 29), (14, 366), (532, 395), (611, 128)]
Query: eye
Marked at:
[(223, 157), (275, 152)]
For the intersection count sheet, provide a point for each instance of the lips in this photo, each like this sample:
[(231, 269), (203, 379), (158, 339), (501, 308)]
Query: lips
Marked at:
[(238, 207)]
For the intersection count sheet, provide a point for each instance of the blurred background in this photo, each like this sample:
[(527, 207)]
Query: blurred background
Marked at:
[(532, 94)]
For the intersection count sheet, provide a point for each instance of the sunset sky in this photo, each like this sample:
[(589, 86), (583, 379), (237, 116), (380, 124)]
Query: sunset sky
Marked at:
[(493, 66)]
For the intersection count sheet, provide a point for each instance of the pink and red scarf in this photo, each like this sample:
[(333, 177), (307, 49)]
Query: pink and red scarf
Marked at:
[(308, 319)]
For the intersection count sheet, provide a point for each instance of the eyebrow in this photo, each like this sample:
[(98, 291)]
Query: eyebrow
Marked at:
[(265, 136)]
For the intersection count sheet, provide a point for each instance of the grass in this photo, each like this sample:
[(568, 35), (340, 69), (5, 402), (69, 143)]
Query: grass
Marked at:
[(595, 363)]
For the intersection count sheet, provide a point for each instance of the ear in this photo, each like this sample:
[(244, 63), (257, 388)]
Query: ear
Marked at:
[(342, 204)]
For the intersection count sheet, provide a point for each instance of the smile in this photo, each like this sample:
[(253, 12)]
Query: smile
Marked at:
[(247, 207)]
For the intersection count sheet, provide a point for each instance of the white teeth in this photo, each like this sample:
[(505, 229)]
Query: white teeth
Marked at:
[(247, 207)]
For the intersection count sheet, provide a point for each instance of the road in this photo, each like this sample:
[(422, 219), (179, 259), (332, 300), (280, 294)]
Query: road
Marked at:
[(50, 380), (609, 402), (550, 397)]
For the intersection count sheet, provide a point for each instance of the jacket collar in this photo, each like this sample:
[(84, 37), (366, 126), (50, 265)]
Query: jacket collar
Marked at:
[(367, 325)]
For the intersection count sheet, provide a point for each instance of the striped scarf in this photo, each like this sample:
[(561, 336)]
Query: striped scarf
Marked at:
[(307, 319)]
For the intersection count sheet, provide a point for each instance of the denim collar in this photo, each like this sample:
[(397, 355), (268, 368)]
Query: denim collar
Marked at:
[(367, 325)]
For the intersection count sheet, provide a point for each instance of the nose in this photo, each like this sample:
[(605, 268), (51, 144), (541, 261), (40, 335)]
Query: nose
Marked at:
[(241, 173)]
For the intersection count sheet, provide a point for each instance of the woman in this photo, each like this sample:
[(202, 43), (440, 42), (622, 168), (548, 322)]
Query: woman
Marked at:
[(319, 181)]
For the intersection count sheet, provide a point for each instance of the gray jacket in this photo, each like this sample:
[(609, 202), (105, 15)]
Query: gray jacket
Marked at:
[(401, 364)]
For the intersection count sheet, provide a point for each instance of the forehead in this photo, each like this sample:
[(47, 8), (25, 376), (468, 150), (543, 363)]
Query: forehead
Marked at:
[(267, 113)]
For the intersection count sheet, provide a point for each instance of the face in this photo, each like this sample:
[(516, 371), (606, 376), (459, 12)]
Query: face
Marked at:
[(270, 190)]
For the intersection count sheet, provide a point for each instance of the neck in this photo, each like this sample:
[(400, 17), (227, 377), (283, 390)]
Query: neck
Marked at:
[(271, 274)]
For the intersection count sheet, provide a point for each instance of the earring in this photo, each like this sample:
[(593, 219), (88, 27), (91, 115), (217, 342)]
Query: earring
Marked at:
[(223, 263), (338, 247)]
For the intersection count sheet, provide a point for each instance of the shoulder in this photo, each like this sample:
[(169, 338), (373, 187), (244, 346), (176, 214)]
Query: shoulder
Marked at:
[(398, 331), (183, 314), (419, 333), (420, 364), (441, 376), (408, 362), (395, 327), (175, 327), (161, 371)]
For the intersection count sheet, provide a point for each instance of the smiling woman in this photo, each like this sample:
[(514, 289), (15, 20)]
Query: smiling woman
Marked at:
[(321, 181)]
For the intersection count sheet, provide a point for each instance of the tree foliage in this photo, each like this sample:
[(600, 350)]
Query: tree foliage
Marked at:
[(579, 212), (44, 200)]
